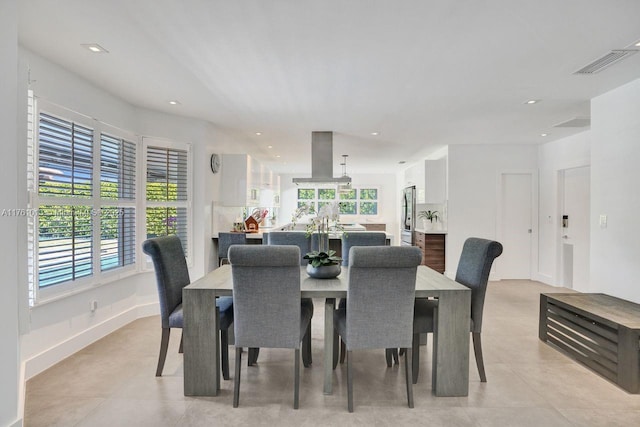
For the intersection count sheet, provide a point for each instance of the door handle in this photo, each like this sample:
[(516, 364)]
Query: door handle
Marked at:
[(529, 231), (565, 237)]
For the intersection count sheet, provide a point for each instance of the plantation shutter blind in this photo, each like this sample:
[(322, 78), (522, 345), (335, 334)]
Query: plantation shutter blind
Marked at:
[(117, 184), (65, 231), (167, 193)]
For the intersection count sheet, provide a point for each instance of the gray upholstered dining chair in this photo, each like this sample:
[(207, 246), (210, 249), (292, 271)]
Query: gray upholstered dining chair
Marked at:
[(267, 309), (473, 271), (225, 240), (379, 309), (360, 238), (302, 241), (172, 275)]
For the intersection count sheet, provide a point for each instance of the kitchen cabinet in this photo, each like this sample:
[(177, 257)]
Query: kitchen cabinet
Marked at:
[(435, 181), (241, 180), (433, 249), (247, 182), (430, 179)]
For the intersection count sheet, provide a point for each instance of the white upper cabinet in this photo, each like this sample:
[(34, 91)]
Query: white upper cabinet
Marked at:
[(246, 182), (429, 177), (435, 181), (241, 179)]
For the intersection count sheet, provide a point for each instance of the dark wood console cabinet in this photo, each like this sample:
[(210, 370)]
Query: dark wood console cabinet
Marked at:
[(433, 249)]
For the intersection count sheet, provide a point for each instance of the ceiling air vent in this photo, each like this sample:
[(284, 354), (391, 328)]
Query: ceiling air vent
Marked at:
[(607, 60), (576, 122)]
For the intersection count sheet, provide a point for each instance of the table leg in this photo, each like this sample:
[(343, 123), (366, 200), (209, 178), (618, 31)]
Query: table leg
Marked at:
[(450, 371), (329, 307), (200, 334)]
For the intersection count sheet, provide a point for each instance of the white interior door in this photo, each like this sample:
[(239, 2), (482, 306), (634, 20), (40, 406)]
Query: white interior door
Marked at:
[(516, 226), (575, 236)]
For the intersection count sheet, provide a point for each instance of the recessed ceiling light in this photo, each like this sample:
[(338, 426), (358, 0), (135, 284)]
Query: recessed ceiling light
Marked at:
[(375, 133), (532, 101), (544, 134), (278, 156), (94, 47), (258, 133), (269, 146), (174, 102), (637, 44)]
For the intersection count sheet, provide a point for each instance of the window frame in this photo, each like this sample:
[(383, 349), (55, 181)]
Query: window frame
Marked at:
[(41, 295), (146, 263), (316, 200)]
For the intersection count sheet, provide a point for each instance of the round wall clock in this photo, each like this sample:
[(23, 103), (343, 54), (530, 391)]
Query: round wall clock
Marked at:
[(215, 163)]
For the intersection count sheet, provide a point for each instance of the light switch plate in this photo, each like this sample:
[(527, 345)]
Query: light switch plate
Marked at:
[(603, 221)]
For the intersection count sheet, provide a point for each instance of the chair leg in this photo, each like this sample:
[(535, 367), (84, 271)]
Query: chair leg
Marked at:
[(415, 357), (408, 361), (306, 347), (296, 385), (349, 381), (477, 350), (180, 350), (164, 344), (394, 352), (224, 351), (252, 358), (236, 379), (343, 351), (336, 348), (388, 356)]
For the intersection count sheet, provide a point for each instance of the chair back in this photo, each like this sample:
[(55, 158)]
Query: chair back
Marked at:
[(295, 238), (171, 270), (225, 240), (381, 295), (266, 295), (473, 271), (361, 238)]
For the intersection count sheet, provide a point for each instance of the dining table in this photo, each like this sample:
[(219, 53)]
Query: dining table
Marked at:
[(450, 361)]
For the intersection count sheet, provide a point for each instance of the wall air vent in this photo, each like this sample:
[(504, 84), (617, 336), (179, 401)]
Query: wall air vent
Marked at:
[(576, 122), (607, 60)]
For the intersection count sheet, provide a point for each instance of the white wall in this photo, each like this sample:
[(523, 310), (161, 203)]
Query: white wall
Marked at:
[(615, 174), (57, 329), (10, 385), (570, 152), (388, 202), (474, 182)]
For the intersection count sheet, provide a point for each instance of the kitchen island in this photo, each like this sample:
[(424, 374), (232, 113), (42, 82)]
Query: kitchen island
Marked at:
[(334, 237)]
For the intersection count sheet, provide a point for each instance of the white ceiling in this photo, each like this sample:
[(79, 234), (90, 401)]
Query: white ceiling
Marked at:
[(423, 73)]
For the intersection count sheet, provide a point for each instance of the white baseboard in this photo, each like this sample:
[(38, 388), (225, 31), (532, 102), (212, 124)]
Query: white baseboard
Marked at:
[(544, 278), (17, 423), (66, 348)]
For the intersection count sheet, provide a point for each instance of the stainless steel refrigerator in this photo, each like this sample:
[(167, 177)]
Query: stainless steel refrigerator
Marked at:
[(408, 216)]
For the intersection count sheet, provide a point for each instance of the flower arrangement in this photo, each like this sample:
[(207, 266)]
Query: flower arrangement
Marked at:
[(327, 218)]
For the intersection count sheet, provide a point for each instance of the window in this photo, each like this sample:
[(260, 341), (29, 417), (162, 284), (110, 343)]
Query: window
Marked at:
[(82, 180), (167, 192), (356, 201)]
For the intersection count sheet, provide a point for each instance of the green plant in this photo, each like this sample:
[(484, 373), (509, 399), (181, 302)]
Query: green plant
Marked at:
[(430, 215), (317, 259)]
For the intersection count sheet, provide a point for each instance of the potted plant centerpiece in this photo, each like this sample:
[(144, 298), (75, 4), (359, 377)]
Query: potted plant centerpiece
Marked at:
[(428, 217), (323, 262)]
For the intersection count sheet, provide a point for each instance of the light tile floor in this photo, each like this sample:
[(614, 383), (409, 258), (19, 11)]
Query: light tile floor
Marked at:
[(112, 383)]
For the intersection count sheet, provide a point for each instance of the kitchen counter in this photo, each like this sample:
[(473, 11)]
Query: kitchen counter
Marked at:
[(432, 231)]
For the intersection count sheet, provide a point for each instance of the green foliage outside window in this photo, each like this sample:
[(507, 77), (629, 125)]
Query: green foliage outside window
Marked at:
[(306, 193), (348, 195), (368, 194), (369, 208), (326, 194), (347, 208)]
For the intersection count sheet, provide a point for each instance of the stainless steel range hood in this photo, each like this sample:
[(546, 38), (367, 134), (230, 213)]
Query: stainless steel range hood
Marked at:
[(322, 161)]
